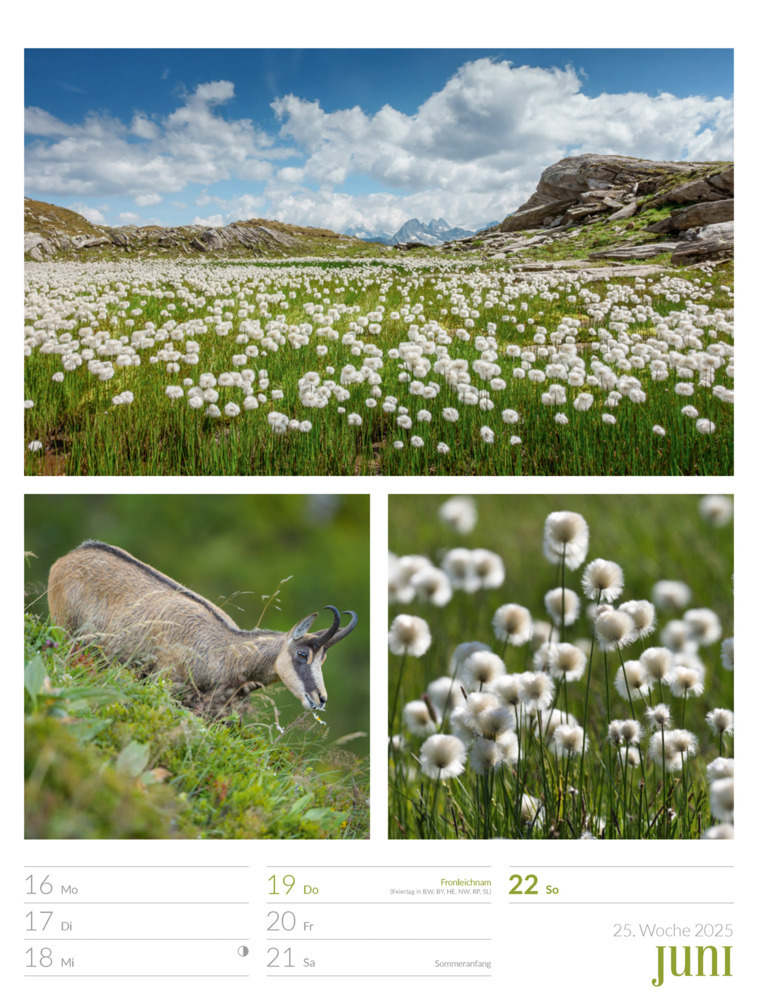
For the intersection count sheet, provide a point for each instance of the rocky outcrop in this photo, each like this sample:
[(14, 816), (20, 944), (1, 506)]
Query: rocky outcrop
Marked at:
[(618, 208), (579, 187)]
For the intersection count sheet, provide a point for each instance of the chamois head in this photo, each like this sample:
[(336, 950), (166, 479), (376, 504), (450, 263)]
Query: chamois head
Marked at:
[(299, 663)]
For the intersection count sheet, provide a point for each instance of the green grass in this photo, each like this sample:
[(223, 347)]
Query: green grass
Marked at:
[(82, 433), (652, 538), (110, 756)]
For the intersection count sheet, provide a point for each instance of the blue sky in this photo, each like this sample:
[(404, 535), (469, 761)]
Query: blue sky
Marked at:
[(351, 138)]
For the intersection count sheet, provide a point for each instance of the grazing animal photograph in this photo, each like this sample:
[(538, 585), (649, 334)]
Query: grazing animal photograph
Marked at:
[(102, 594), (197, 708)]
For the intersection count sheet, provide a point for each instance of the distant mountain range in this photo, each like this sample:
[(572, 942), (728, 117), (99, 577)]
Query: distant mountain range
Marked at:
[(431, 234)]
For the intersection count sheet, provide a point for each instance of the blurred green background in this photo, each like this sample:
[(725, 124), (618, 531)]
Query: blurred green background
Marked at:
[(652, 536), (234, 550)]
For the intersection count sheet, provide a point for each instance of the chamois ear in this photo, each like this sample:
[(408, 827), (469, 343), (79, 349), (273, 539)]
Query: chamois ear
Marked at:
[(302, 626)]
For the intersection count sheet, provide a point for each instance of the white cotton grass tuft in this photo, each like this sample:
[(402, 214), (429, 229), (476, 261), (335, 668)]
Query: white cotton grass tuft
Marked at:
[(507, 689), (461, 653), (704, 625), (722, 831), (485, 756), (409, 635), (720, 767), (613, 630), (482, 714), (489, 568), (445, 694), (566, 661), (631, 680), (721, 721), (676, 744), (602, 580), (671, 595), (551, 718), (480, 668), (568, 741), (657, 661), (658, 716), (624, 732), (685, 682), (418, 719), (566, 533), (459, 513), (512, 623), (722, 799), (432, 585), (716, 509), (562, 604), (442, 757), (677, 636), (537, 690), (642, 614)]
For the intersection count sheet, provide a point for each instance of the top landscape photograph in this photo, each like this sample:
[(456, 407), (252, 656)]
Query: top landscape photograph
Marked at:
[(371, 262)]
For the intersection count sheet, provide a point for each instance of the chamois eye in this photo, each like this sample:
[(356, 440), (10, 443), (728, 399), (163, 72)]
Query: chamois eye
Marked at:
[(302, 654)]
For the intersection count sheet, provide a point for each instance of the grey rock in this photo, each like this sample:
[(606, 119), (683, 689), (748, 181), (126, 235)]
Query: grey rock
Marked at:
[(714, 242), (703, 213)]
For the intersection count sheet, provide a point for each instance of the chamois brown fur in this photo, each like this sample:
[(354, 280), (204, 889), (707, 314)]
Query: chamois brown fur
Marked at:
[(103, 595)]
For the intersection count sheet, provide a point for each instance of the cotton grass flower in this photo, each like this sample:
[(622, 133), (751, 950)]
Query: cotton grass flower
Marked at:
[(442, 757), (480, 668), (632, 680), (568, 741), (624, 732), (657, 661), (409, 635), (488, 568), (704, 625), (685, 682), (613, 630), (459, 513), (507, 689), (566, 661), (722, 799), (672, 748), (445, 695), (462, 652), (563, 605), (642, 614), (485, 756), (566, 534), (658, 716), (432, 585), (671, 595), (418, 719), (722, 831), (603, 580), (721, 767), (512, 623), (721, 721), (537, 690), (716, 509)]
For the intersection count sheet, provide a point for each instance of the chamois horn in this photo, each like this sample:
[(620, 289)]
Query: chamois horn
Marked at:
[(328, 637)]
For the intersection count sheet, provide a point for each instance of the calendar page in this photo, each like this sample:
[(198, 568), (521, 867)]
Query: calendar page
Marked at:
[(379, 505)]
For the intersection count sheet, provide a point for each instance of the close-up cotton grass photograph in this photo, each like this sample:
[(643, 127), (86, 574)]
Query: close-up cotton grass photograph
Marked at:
[(561, 667)]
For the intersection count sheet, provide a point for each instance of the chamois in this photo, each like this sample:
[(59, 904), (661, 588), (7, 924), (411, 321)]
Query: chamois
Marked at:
[(101, 594)]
